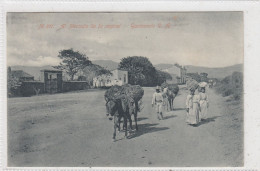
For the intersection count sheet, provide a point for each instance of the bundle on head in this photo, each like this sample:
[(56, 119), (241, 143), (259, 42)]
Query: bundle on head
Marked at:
[(113, 93), (174, 88), (164, 85), (134, 91), (192, 84)]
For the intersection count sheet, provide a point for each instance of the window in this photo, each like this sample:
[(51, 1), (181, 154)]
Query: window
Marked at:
[(125, 78), (52, 76)]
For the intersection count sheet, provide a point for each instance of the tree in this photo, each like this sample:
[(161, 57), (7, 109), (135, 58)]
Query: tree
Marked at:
[(194, 76), (72, 62), (204, 77), (92, 71), (13, 83), (140, 70), (162, 77)]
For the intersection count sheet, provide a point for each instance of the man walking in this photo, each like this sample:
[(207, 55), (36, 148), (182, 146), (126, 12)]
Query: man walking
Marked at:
[(158, 102)]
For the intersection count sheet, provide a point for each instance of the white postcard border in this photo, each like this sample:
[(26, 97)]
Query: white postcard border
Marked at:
[(251, 11)]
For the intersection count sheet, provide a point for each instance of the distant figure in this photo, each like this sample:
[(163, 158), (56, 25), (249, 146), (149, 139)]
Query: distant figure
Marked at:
[(158, 102), (204, 103), (192, 108)]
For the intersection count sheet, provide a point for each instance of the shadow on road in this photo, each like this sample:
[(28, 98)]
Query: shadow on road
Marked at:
[(175, 109), (141, 118), (208, 120), (169, 117), (146, 128)]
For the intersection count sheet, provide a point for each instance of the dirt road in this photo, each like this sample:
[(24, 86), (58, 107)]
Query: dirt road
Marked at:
[(72, 130)]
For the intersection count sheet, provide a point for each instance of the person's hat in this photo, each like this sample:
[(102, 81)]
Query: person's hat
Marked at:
[(203, 84), (192, 89), (157, 88)]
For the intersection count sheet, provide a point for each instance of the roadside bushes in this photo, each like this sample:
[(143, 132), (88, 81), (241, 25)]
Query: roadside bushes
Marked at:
[(231, 86)]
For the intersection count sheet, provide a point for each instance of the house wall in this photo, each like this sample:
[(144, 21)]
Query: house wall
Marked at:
[(118, 77), (123, 76), (176, 72), (173, 70)]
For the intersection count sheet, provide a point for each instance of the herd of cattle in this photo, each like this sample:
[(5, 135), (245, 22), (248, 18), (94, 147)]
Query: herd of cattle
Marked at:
[(125, 101)]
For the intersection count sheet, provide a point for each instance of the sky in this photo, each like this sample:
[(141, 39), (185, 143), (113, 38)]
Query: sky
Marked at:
[(211, 39)]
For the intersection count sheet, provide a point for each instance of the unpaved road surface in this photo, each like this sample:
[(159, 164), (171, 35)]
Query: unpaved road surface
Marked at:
[(71, 130)]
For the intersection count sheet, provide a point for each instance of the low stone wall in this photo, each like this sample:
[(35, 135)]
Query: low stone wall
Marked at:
[(29, 88), (74, 85)]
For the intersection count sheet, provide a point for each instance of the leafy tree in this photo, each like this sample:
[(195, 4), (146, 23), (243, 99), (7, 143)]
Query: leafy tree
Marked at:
[(231, 85), (194, 76), (140, 70), (92, 71), (162, 77), (13, 83), (72, 62), (204, 76)]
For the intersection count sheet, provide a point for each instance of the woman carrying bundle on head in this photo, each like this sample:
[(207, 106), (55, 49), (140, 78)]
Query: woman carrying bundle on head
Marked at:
[(193, 105), (204, 103)]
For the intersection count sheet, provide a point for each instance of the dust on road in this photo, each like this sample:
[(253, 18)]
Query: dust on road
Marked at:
[(72, 130)]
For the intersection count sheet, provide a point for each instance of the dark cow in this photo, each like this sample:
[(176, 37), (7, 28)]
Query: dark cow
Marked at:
[(168, 97), (170, 91)]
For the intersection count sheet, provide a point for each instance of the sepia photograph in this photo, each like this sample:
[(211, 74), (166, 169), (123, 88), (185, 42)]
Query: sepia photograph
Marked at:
[(125, 89)]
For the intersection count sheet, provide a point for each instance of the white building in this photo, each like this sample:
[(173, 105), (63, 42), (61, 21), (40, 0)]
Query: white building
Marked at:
[(118, 77), (178, 74)]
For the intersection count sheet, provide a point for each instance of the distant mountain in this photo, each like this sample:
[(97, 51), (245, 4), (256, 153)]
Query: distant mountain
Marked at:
[(163, 66), (110, 65), (216, 72), (107, 64), (212, 72)]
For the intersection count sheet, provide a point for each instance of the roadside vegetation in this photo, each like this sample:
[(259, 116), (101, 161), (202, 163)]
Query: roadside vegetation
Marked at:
[(231, 86)]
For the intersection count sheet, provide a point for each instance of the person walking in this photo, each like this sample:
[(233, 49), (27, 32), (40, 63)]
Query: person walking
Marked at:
[(192, 108), (157, 101), (204, 103)]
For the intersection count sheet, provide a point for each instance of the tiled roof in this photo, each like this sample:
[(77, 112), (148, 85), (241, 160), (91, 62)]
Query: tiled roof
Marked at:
[(21, 74)]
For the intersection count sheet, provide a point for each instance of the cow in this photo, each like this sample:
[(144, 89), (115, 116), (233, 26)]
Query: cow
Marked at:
[(168, 97), (170, 91)]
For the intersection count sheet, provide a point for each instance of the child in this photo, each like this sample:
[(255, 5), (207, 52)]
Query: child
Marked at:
[(204, 104), (192, 108)]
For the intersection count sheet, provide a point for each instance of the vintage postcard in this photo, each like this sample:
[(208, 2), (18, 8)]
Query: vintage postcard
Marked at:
[(125, 89)]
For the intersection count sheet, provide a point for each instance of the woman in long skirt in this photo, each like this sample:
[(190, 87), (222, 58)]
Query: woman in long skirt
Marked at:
[(193, 108), (204, 104)]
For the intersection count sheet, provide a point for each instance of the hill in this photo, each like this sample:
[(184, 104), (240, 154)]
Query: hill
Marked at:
[(212, 72), (163, 66), (107, 64), (110, 65), (216, 72)]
